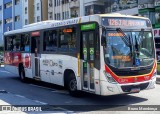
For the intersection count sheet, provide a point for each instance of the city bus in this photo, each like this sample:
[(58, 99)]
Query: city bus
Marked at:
[(103, 54)]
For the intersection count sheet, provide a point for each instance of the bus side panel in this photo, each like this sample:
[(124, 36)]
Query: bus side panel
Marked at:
[(52, 67), (11, 60), (26, 60)]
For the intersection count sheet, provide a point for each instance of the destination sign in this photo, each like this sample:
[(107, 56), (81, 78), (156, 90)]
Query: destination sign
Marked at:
[(115, 34), (126, 22)]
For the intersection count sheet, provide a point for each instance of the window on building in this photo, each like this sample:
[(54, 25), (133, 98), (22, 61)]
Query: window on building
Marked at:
[(8, 20), (63, 15), (157, 18), (25, 10), (17, 18), (55, 2), (8, 5), (65, 1), (50, 15), (58, 16), (37, 6), (67, 40), (38, 18), (55, 16), (17, 2), (59, 2), (25, 43), (0, 8), (26, 21), (50, 41), (0, 22), (50, 3)]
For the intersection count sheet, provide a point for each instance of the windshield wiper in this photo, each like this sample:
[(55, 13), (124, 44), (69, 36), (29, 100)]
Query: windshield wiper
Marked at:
[(126, 39)]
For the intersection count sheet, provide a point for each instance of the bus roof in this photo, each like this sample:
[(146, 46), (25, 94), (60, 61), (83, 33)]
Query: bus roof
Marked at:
[(55, 23)]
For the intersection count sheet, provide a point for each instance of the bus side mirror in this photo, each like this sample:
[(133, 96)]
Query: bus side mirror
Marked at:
[(103, 40)]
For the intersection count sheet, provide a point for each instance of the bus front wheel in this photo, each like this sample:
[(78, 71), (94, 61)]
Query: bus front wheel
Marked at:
[(72, 86), (22, 74)]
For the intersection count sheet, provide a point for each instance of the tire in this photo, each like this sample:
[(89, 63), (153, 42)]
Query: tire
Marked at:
[(22, 74), (72, 86)]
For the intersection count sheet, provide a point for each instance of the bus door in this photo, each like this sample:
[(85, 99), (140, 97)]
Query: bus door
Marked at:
[(88, 52), (35, 48)]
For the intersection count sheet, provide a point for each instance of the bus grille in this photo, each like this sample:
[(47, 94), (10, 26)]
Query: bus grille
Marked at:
[(128, 88)]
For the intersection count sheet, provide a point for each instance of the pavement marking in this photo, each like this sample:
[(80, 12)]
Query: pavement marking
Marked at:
[(42, 87), (60, 108), (61, 91), (20, 96), (52, 90), (43, 103), (4, 71)]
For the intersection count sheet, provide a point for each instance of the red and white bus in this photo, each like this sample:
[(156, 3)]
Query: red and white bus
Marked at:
[(105, 54)]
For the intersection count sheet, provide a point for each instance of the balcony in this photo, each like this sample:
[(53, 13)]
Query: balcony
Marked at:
[(74, 4)]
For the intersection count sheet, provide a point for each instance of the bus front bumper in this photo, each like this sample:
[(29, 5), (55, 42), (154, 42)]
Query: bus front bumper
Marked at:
[(114, 89)]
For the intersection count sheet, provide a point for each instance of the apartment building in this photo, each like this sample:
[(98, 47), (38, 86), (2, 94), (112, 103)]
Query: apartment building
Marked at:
[(35, 11), (63, 9), (88, 7), (151, 9), (10, 16)]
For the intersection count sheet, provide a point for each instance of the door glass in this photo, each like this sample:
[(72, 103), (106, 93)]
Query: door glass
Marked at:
[(91, 46), (85, 68), (88, 63), (91, 62), (85, 46)]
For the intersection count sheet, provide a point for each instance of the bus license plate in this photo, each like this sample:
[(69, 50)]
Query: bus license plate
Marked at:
[(135, 90)]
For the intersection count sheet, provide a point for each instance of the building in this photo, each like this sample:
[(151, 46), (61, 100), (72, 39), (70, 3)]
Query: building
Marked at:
[(11, 16), (88, 7), (151, 9), (28, 12), (63, 9), (35, 11)]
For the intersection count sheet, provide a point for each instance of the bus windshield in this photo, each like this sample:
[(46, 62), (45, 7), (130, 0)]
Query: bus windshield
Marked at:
[(129, 48)]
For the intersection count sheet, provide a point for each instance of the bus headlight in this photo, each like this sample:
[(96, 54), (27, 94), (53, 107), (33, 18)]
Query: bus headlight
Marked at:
[(154, 74), (109, 78)]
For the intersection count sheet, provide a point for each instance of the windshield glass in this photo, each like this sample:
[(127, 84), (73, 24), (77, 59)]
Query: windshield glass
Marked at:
[(129, 48)]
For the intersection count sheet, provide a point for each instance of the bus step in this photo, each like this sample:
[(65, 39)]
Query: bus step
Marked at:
[(37, 78)]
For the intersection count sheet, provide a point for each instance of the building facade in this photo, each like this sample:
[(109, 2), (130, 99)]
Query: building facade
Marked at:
[(151, 9), (34, 11), (88, 7), (11, 16), (63, 9)]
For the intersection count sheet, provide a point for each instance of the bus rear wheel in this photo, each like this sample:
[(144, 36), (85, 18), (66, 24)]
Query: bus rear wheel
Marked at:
[(22, 74), (72, 86)]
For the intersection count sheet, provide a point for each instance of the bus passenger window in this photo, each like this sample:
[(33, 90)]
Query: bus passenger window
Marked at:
[(16, 43), (50, 41), (68, 40), (25, 43), (9, 44)]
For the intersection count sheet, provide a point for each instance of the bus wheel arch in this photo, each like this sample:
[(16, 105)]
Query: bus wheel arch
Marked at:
[(21, 72), (70, 82)]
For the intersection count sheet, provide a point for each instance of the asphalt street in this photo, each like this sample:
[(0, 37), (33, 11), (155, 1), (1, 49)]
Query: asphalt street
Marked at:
[(14, 92)]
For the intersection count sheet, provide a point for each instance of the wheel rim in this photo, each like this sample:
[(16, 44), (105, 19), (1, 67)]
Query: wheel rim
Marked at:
[(73, 85)]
